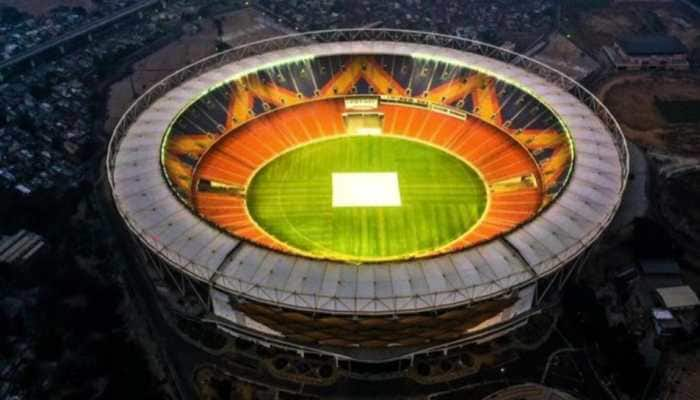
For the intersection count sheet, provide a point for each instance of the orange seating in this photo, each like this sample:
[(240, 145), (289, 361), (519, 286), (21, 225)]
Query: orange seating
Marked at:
[(495, 154), (451, 128), (235, 157), (401, 118), (228, 212), (219, 167), (390, 117)]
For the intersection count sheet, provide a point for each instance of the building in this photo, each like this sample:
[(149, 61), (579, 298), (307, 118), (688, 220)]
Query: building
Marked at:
[(269, 255), (21, 248), (678, 297), (665, 323), (649, 52), (660, 273), (678, 315)]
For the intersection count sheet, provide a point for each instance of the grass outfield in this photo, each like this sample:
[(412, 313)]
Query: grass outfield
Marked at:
[(291, 198)]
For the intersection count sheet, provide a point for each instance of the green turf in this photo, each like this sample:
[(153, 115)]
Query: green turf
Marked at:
[(291, 199)]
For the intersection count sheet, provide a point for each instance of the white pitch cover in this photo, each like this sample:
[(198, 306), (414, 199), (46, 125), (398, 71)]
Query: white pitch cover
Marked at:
[(366, 189)]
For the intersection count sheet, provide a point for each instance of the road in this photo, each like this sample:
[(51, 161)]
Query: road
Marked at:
[(84, 30), (551, 358)]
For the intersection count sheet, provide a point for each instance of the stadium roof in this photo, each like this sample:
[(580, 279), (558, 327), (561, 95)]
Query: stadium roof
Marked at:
[(648, 45), (554, 238)]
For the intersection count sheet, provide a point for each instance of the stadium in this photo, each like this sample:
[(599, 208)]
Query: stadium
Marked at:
[(367, 195)]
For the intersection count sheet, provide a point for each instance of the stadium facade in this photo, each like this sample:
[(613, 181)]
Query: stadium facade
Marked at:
[(552, 159)]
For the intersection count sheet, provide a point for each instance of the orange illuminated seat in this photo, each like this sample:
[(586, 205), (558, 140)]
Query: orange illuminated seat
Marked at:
[(510, 173)]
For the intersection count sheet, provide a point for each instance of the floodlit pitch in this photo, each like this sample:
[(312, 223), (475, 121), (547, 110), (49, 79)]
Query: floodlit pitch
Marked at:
[(364, 198), (366, 189)]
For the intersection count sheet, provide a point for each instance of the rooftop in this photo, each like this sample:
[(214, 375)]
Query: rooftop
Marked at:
[(20, 247), (659, 267), (647, 45), (678, 297)]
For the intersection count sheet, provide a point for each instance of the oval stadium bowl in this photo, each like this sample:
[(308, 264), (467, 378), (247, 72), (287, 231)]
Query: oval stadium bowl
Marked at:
[(368, 194)]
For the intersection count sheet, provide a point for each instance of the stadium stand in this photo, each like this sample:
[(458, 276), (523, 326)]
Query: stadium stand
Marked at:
[(374, 332), (232, 161), (255, 94)]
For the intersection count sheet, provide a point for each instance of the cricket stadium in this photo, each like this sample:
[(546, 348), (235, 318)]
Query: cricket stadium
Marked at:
[(367, 196)]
